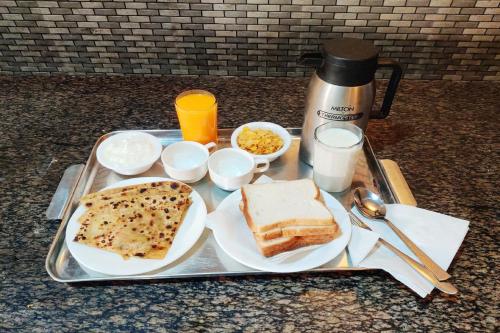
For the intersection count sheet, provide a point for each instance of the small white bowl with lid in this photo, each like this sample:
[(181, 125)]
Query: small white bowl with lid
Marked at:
[(129, 152), (275, 128)]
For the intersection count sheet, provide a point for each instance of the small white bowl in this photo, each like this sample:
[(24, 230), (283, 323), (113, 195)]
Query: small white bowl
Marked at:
[(231, 168), (277, 129), (186, 160), (129, 153)]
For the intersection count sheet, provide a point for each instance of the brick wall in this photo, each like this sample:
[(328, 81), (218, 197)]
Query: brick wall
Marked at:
[(433, 39)]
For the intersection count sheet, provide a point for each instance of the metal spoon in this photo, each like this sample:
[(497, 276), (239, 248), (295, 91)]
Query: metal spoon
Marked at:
[(372, 206)]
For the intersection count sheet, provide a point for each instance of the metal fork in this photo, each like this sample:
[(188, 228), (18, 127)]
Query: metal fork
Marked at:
[(445, 287)]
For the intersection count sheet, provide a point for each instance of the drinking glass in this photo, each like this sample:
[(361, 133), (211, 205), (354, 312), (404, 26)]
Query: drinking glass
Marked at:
[(336, 149), (197, 113)]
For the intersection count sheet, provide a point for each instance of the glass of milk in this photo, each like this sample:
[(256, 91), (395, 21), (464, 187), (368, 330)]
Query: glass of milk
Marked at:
[(336, 149)]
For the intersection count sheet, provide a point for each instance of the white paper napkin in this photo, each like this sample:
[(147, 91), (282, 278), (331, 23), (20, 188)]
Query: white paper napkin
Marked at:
[(219, 215), (361, 243), (438, 235)]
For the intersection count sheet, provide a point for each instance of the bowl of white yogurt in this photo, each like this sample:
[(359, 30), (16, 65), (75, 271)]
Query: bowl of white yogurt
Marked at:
[(129, 153)]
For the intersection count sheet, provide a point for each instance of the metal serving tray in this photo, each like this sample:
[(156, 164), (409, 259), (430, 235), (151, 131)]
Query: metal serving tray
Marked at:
[(206, 258)]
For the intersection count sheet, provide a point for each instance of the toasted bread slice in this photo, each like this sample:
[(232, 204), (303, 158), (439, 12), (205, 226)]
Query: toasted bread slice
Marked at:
[(293, 231), (282, 204), (270, 248)]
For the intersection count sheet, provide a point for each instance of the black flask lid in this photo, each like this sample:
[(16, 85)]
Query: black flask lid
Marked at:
[(348, 62)]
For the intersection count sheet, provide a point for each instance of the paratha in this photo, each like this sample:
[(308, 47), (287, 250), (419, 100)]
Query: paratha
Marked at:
[(135, 222), (142, 190)]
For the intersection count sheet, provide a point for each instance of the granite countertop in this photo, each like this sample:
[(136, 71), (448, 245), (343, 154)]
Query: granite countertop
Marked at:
[(442, 134)]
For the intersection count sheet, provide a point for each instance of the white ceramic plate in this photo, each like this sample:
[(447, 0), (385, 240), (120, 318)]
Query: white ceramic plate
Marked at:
[(113, 264), (236, 239)]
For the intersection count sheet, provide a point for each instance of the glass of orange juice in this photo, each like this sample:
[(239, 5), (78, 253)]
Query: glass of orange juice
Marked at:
[(197, 113)]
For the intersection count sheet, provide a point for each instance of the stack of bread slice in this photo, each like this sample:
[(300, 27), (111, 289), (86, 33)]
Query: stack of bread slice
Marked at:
[(284, 216)]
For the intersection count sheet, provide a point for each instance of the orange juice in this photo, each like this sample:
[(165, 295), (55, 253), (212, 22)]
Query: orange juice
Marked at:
[(197, 113)]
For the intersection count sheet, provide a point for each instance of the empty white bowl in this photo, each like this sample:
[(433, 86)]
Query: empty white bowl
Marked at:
[(231, 168), (129, 153), (186, 160), (277, 129)]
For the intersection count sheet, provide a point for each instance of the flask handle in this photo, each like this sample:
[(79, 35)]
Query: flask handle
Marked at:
[(396, 74)]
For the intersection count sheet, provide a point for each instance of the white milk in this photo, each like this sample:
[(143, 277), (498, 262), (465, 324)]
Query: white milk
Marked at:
[(335, 156), (338, 137)]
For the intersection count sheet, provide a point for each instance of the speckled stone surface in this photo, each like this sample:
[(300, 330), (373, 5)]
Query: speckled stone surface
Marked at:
[(444, 135)]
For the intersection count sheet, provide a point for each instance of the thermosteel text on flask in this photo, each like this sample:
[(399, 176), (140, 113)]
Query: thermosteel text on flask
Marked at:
[(343, 87)]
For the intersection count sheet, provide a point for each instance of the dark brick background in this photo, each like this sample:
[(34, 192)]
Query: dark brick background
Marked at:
[(433, 39)]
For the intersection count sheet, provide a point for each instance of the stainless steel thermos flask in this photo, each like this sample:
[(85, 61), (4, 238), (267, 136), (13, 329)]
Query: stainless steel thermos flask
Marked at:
[(343, 87)]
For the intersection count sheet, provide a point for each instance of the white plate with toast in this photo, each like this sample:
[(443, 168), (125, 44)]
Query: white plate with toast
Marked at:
[(111, 263), (235, 237)]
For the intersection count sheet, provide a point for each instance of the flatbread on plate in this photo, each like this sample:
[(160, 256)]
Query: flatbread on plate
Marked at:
[(140, 221)]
